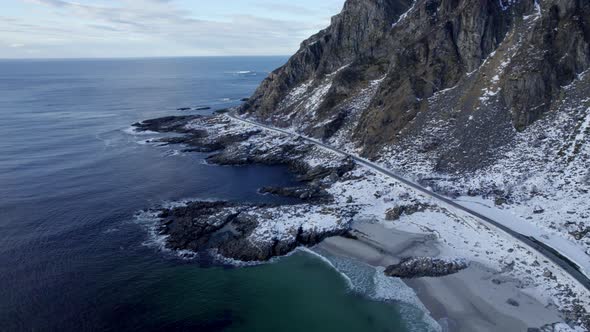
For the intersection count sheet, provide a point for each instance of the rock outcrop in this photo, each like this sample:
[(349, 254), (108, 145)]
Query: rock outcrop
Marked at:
[(253, 232), (470, 97), (228, 229), (425, 267), (387, 71)]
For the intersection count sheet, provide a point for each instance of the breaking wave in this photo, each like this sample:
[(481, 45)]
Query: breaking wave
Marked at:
[(360, 278), (372, 282)]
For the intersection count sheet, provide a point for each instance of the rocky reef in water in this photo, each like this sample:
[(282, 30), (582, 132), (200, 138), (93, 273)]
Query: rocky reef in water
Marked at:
[(480, 98), (228, 229), (332, 192), (253, 232)]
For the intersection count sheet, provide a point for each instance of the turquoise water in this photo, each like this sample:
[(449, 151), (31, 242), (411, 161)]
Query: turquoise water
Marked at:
[(74, 258), (298, 293)]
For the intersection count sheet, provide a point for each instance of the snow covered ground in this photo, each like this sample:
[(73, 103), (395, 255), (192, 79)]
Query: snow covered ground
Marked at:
[(461, 235)]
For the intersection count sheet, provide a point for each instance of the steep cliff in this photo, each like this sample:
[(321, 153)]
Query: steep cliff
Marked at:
[(486, 98), (380, 75)]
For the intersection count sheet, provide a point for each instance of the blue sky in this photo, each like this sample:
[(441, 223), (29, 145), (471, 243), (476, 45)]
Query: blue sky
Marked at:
[(145, 28)]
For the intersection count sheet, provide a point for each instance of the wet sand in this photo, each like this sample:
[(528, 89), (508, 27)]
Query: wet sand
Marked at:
[(468, 301)]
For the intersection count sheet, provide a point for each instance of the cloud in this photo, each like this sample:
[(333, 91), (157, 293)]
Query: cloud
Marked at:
[(288, 8), (159, 27)]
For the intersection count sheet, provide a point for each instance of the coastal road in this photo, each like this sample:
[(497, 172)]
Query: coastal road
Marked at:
[(550, 253)]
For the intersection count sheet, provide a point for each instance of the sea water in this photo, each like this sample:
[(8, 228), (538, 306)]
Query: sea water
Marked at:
[(74, 256)]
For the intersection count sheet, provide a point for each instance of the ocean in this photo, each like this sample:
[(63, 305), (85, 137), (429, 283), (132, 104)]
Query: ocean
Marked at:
[(75, 256)]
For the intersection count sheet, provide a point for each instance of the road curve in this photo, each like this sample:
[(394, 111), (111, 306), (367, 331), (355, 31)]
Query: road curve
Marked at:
[(550, 253)]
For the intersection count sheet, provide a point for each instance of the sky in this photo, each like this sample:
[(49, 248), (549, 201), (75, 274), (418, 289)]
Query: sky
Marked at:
[(155, 28)]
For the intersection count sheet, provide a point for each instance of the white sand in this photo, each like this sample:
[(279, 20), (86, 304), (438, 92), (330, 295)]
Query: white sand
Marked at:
[(467, 301)]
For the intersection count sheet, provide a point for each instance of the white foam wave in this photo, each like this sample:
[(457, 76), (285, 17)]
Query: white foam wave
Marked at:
[(387, 288), (329, 263), (174, 153), (372, 282), (394, 289), (237, 263), (133, 131), (144, 142), (149, 220), (206, 163), (234, 262), (242, 72), (184, 202)]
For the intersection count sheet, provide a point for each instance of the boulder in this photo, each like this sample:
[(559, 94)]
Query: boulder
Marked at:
[(420, 267)]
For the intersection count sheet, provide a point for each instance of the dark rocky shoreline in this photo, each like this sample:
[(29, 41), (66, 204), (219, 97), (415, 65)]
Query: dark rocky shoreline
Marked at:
[(226, 228), (258, 232)]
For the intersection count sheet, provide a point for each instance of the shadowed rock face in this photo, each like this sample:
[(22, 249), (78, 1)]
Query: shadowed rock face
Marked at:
[(353, 34), (226, 228), (507, 62)]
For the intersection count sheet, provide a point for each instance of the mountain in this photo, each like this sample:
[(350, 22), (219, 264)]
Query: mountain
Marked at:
[(386, 72), (484, 101), (487, 98)]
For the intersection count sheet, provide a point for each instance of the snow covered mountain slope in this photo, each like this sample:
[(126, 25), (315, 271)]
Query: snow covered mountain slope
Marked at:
[(480, 98)]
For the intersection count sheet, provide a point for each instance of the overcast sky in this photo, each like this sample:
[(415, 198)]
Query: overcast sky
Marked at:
[(145, 28)]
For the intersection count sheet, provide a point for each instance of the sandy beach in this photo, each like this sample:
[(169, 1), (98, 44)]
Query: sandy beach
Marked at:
[(475, 299)]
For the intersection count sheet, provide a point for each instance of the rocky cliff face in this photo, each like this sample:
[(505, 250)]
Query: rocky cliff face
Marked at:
[(452, 79), (486, 98), (355, 33)]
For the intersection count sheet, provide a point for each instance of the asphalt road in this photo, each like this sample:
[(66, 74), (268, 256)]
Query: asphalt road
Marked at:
[(550, 253)]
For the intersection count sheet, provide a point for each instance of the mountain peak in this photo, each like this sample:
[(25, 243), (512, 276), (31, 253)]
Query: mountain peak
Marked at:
[(503, 61)]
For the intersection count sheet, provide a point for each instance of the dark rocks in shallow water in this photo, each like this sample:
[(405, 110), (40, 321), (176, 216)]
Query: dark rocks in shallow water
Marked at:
[(235, 148), (252, 232), (197, 140), (226, 228), (202, 108), (166, 124), (244, 99), (183, 109), (425, 267), (305, 193)]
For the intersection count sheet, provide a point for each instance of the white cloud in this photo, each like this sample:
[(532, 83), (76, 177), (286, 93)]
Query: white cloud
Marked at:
[(159, 28)]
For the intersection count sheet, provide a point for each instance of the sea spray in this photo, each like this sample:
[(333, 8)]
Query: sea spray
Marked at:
[(372, 282), (329, 263), (360, 278)]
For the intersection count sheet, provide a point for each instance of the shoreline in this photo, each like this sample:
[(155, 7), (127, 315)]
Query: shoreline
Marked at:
[(331, 186), (471, 300)]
